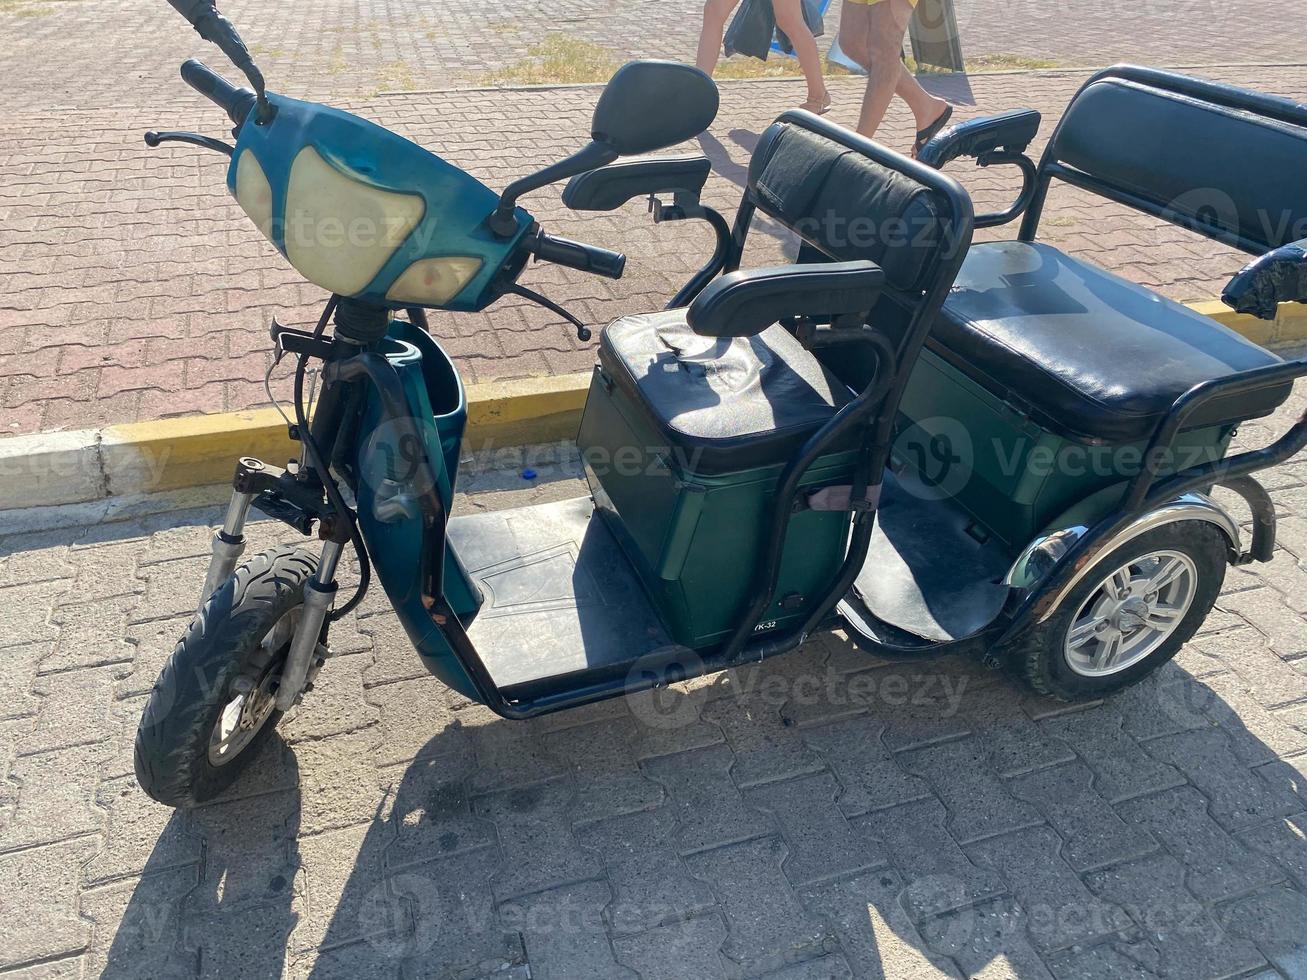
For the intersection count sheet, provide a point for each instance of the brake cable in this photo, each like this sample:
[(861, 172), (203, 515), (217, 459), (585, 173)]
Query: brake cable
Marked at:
[(314, 457)]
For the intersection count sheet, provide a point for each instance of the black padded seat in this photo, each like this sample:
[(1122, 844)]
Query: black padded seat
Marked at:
[(722, 404), (1091, 354)]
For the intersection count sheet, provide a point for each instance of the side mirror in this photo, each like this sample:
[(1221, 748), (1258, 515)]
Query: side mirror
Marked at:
[(646, 106), (651, 105)]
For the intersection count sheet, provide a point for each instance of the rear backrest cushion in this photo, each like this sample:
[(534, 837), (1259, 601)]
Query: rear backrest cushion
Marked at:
[(847, 205), (1240, 172)]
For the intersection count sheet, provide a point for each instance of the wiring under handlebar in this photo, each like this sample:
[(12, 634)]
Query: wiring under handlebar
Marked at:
[(314, 457)]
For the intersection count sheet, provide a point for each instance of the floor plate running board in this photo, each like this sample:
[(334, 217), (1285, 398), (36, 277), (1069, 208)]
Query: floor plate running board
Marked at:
[(560, 597), (925, 574)]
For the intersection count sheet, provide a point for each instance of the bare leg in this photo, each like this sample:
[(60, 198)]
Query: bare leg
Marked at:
[(715, 15), (887, 22), (925, 107), (789, 18)]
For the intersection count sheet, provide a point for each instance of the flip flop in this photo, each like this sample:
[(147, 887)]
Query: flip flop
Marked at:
[(817, 108), (924, 136)]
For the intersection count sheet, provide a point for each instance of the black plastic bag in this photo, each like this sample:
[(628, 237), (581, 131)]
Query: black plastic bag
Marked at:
[(751, 30), (812, 17)]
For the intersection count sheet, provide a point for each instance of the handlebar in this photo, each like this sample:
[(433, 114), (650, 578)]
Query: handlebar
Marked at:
[(578, 255), (236, 102)]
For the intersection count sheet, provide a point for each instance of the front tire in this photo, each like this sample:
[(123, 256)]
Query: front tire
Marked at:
[(1130, 614), (213, 706)]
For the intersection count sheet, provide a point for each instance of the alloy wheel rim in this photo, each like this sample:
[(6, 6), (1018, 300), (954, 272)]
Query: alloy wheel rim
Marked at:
[(1132, 612), (249, 709)]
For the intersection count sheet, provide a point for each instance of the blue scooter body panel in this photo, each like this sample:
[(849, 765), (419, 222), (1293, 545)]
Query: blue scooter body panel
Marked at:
[(377, 166), (395, 539)]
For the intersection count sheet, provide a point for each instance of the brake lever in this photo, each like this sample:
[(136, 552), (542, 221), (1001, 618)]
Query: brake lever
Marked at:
[(153, 139)]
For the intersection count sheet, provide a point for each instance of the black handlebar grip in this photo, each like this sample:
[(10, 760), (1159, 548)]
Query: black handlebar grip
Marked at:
[(578, 255), (236, 102)]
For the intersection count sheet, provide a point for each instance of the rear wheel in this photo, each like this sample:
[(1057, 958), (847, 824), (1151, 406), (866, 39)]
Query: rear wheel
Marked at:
[(214, 703), (1130, 614)]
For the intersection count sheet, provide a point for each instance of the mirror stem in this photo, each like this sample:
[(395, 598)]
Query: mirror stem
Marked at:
[(502, 220)]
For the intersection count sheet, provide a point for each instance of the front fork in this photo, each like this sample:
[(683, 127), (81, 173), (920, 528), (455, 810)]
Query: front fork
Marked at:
[(229, 543), (319, 592)]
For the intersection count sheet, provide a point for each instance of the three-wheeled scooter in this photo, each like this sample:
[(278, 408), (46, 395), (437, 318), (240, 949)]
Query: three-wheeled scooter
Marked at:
[(933, 445)]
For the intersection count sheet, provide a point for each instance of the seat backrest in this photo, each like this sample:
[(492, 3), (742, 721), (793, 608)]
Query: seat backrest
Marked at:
[(1223, 161), (853, 199)]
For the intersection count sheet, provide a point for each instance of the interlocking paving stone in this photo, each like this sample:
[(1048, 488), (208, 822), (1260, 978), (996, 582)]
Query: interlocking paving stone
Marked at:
[(138, 924), (16, 698), (509, 753), (601, 759), (417, 719), (876, 934), (978, 802), (536, 835), (457, 930), (1123, 769), (765, 746), (987, 940), (331, 853), (871, 778), (50, 926), (1218, 866), (683, 949), (564, 933), (251, 852), (1236, 797), (939, 876), (1284, 842), (767, 926), (651, 884), (1092, 832), (1013, 741), (710, 809), (75, 711), (1276, 920), (1256, 733), (91, 633), (431, 809), (1187, 941), (1249, 655), (821, 842), (140, 836), (338, 782), (1060, 910)]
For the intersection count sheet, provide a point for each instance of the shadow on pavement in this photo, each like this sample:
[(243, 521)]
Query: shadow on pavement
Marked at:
[(863, 818)]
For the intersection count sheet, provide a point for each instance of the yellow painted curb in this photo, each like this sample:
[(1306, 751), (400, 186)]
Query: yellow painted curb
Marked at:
[(173, 454), (1289, 327)]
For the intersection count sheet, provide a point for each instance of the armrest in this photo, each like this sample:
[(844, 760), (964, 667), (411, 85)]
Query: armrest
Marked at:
[(744, 304), (1009, 131), (608, 188), (1279, 276)]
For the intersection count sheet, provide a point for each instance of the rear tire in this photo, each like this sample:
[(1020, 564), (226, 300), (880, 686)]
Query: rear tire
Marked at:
[(219, 680), (1113, 629)]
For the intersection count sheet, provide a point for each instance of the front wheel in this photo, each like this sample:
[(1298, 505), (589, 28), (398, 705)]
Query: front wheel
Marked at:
[(214, 703), (1130, 614)]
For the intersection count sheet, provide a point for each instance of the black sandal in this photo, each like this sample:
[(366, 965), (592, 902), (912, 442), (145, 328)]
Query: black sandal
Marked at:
[(924, 136)]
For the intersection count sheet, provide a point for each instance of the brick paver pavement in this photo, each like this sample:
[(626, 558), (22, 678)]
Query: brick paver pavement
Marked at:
[(131, 286), (824, 815), (92, 53)]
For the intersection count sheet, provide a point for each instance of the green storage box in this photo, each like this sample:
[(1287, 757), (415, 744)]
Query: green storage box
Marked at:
[(1014, 476), (690, 522)]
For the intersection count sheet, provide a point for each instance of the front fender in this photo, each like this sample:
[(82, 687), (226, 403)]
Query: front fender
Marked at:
[(392, 530)]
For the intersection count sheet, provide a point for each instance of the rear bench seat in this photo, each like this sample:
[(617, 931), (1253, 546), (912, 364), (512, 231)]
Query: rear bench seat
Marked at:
[(1090, 354)]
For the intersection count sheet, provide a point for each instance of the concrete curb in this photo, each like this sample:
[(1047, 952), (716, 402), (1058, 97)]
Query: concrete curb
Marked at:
[(55, 468), (138, 458)]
